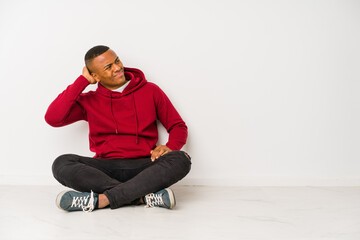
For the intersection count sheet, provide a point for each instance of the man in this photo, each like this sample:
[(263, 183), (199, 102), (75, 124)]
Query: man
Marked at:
[(128, 167)]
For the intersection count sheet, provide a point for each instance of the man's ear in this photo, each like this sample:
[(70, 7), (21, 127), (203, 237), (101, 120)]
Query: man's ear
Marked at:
[(95, 76)]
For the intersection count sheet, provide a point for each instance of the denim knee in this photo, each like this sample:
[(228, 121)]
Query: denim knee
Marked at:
[(185, 160), (60, 162), (186, 155)]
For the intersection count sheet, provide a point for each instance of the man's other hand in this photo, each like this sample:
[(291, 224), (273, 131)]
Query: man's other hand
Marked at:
[(88, 76), (159, 151)]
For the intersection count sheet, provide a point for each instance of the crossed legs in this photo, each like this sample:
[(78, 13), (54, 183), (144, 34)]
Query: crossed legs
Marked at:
[(121, 182)]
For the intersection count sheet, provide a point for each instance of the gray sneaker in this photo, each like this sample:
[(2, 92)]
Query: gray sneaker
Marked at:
[(164, 198), (77, 201)]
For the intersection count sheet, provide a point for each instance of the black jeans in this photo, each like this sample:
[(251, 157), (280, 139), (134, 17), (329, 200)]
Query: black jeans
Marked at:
[(123, 181)]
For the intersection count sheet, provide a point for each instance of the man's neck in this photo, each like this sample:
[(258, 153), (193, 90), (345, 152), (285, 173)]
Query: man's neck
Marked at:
[(113, 88), (122, 87)]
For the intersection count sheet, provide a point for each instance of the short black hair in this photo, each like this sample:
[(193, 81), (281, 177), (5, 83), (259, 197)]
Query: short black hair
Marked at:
[(95, 51)]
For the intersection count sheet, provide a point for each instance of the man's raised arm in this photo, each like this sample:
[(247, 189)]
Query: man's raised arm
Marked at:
[(65, 109)]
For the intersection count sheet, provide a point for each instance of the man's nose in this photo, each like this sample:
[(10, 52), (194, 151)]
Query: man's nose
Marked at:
[(116, 67)]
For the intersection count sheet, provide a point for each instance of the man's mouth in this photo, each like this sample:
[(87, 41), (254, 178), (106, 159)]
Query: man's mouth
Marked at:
[(119, 74)]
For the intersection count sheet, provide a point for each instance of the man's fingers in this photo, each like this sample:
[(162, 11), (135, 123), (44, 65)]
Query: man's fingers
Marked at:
[(153, 154), (156, 155), (159, 151), (155, 149), (158, 148)]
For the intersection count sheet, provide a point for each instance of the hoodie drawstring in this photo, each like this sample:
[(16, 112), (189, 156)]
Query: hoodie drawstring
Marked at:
[(136, 119), (112, 113)]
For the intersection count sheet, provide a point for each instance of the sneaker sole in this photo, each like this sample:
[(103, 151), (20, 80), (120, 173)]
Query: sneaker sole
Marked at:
[(58, 198), (172, 197)]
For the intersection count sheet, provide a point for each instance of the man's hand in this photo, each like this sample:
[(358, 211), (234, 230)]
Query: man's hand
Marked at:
[(159, 151), (88, 76)]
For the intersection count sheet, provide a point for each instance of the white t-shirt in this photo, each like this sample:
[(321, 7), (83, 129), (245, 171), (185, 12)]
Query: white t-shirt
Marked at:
[(120, 89)]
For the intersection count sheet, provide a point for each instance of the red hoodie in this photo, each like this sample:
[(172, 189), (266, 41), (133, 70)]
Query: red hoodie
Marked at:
[(121, 125)]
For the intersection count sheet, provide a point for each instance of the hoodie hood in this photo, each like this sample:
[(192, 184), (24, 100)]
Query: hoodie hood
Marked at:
[(137, 80)]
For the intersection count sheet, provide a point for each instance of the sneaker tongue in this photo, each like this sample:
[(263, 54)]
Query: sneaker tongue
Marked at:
[(91, 202), (154, 200), (80, 201)]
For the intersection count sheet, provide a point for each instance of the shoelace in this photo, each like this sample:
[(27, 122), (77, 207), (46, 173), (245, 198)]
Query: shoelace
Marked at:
[(81, 201), (153, 200)]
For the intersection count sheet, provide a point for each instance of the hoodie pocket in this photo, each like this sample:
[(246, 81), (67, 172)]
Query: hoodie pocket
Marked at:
[(119, 146)]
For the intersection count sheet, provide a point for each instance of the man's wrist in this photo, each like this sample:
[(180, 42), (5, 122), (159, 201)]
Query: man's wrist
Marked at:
[(82, 81)]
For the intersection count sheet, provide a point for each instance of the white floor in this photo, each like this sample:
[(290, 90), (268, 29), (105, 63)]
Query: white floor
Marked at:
[(29, 212)]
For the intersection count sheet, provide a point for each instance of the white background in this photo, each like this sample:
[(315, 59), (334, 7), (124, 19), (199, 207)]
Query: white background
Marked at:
[(268, 89)]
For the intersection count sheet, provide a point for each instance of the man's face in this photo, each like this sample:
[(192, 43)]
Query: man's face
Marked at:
[(108, 70)]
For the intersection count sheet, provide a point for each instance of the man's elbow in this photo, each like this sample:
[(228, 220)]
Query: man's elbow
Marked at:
[(52, 120), (179, 126)]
